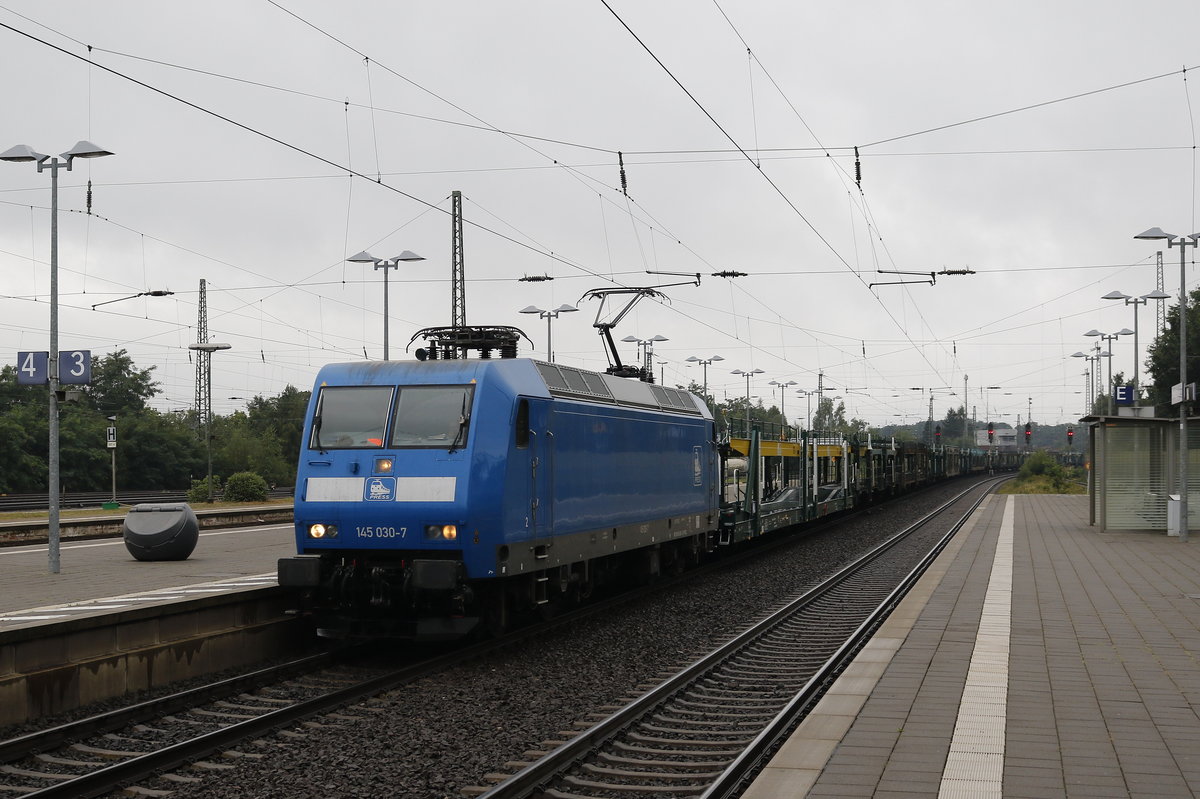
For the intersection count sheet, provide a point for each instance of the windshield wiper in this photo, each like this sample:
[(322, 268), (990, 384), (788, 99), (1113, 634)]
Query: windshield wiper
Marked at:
[(317, 419), (463, 418)]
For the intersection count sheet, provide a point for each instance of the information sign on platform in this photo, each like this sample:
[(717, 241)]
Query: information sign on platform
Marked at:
[(33, 368), (75, 367)]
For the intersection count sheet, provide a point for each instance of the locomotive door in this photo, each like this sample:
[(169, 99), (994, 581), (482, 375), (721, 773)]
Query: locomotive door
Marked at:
[(531, 488), (542, 494)]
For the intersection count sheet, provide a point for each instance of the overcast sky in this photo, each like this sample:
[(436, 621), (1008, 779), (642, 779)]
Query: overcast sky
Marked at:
[(259, 144)]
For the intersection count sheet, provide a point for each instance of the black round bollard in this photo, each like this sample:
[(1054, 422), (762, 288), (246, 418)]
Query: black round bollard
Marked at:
[(161, 531)]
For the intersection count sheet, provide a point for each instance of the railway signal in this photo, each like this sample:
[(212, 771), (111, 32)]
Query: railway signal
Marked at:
[(991, 432), (1028, 433), (1070, 436)]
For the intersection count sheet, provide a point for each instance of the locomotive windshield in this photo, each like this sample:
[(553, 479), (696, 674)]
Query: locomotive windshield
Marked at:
[(432, 416), (351, 417)]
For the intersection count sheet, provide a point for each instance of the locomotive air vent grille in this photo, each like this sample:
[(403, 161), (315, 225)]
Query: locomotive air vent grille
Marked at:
[(554, 379), (565, 380), (575, 381)]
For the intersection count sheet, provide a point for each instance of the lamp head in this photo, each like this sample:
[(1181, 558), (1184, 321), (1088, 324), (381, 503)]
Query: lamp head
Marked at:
[(363, 257), (408, 255), (1155, 234), (1115, 295), (22, 152), (564, 308), (530, 309), (84, 149), (1156, 295)]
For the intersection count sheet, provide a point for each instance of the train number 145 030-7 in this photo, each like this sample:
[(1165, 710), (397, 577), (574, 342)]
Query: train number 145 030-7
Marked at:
[(381, 532)]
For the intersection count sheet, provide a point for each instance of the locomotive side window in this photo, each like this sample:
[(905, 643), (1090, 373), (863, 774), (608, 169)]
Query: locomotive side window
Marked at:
[(523, 424), (432, 416), (351, 417)]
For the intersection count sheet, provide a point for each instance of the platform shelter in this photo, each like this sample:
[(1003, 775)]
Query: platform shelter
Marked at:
[(1133, 474)]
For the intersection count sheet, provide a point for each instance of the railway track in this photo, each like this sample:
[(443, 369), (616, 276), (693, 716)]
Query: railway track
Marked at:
[(148, 744), (172, 742), (703, 731)]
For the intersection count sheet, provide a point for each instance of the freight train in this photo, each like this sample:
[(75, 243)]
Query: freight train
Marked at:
[(437, 496)]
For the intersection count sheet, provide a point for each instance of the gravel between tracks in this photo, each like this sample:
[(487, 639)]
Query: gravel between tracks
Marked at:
[(429, 739)]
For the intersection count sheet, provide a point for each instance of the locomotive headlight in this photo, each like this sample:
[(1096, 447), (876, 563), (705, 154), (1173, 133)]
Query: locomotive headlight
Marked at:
[(322, 531), (446, 532), (383, 465)]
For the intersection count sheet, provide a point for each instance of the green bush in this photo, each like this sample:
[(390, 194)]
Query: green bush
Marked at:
[(245, 487), (199, 490)]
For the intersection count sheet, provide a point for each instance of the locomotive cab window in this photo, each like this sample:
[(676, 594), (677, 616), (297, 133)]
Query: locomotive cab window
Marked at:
[(351, 417), (432, 416)]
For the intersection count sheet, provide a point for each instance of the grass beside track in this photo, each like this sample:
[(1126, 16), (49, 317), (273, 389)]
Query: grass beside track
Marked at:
[(1041, 484), (78, 513)]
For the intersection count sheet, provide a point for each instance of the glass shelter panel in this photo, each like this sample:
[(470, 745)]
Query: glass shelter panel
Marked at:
[(1135, 476)]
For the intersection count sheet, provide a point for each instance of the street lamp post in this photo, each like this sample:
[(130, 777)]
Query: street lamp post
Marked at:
[(208, 348), (1110, 338), (1135, 302), (1094, 378), (747, 375), (549, 316), (704, 362), (807, 394), (1182, 242), (646, 345), (20, 154), (385, 264), (783, 387)]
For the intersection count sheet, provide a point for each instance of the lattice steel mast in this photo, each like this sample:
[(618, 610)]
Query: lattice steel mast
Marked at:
[(203, 363)]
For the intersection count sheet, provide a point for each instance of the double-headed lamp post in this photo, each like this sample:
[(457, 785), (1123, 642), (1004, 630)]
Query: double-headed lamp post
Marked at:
[(704, 362), (1182, 242), (1110, 338), (647, 348), (1135, 302), (807, 394), (747, 374), (783, 387), (23, 153), (549, 316), (1093, 377), (385, 264)]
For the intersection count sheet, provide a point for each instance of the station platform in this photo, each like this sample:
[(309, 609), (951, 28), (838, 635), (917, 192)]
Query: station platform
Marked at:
[(1038, 657), (100, 577)]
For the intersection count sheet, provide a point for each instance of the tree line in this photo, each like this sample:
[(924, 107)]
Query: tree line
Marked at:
[(155, 450)]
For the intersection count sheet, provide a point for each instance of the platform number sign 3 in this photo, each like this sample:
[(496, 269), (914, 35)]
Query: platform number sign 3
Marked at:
[(75, 368)]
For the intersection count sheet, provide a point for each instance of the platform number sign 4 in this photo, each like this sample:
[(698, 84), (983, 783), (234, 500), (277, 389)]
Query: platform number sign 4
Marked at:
[(33, 368), (74, 368)]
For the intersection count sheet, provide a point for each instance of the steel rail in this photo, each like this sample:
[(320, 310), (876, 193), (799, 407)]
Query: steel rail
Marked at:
[(537, 776), (732, 779)]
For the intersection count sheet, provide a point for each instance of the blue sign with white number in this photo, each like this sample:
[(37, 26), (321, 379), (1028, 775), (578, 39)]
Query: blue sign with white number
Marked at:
[(33, 368), (75, 367), (1124, 395)]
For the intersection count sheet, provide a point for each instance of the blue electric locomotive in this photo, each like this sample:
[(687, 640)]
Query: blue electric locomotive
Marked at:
[(432, 494)]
